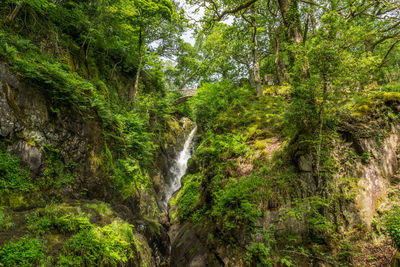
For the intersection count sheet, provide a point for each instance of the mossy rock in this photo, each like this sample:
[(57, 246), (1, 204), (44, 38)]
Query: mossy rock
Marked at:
[(371, 103), (396, 260)]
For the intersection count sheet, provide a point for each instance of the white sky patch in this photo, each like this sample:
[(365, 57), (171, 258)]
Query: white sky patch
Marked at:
[(194, 15)]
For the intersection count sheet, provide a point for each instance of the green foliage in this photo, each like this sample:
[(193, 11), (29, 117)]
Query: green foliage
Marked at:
[(188, 199), (391, 87), (58, 218), (111, 245), (313, 212), (129, 178), (234, 204), (12, 176), (56, 173), (62, 86), (259, 252), (23, 252), (213, 99), (218, 147), (6, 221), (392, 222), (39, 5), (137, 139), (258, 255)]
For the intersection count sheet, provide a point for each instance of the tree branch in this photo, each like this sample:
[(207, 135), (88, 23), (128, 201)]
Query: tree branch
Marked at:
[(388, 53), (234, 10)]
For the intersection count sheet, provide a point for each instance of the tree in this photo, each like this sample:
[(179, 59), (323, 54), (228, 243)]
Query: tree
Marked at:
[(149, 13)]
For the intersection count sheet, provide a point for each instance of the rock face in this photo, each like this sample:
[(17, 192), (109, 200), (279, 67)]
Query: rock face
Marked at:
[(375, 176), (31, 127), (28, 154), (27, 120), (188, 247), (374, 169)]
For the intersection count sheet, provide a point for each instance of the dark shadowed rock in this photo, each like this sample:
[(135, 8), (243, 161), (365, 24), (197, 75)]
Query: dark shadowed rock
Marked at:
[(29, 154)]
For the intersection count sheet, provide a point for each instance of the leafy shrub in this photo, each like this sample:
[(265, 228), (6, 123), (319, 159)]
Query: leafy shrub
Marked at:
[(137, 139), (12, 176), (258, 254), (393, 225), (24, 252), (62, 86), (259, 250), (218, 147), (233, 205), (59, 218), (110, 245), (130, 178), (212, 99), (391, 87), (56, 173), (188, 198)]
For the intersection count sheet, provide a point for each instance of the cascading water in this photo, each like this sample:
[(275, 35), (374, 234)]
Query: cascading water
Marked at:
[(178, 169)]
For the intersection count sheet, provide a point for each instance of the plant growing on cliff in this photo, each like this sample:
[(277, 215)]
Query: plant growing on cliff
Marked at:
[(24, 252), (392, 222), (12, 176), (111, 245), (58, 218), (234, 205)]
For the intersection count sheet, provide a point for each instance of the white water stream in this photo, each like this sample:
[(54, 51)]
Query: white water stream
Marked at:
[(178, 169)]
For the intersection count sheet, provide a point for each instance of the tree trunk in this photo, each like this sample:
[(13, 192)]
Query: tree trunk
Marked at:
[(280, 69), (256, 59), (250, 71), (289, 10), (136, 86), (291, 19), (14, 13)]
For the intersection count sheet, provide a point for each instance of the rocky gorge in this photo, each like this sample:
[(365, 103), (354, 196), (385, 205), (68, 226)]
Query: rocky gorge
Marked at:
[(199, 133)]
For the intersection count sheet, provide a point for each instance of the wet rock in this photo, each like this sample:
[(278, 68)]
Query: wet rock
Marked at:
[(305, 163), (9, 123), (188, 247), (30, 155), (26, 119)]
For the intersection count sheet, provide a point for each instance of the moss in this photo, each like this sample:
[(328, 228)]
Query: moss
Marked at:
[(154, 225), (283, 90), (260, 144), (373, 102), (101, 208), (187, 200), (6, 220)]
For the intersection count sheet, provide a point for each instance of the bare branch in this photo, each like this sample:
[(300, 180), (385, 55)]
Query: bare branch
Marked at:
[(234, 11)]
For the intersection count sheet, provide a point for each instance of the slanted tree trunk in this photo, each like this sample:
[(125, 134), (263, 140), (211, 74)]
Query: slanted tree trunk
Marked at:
[(133, 93), (14, 13)]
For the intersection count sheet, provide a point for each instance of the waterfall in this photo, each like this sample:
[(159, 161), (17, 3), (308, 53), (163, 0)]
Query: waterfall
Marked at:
[(178, 169)]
